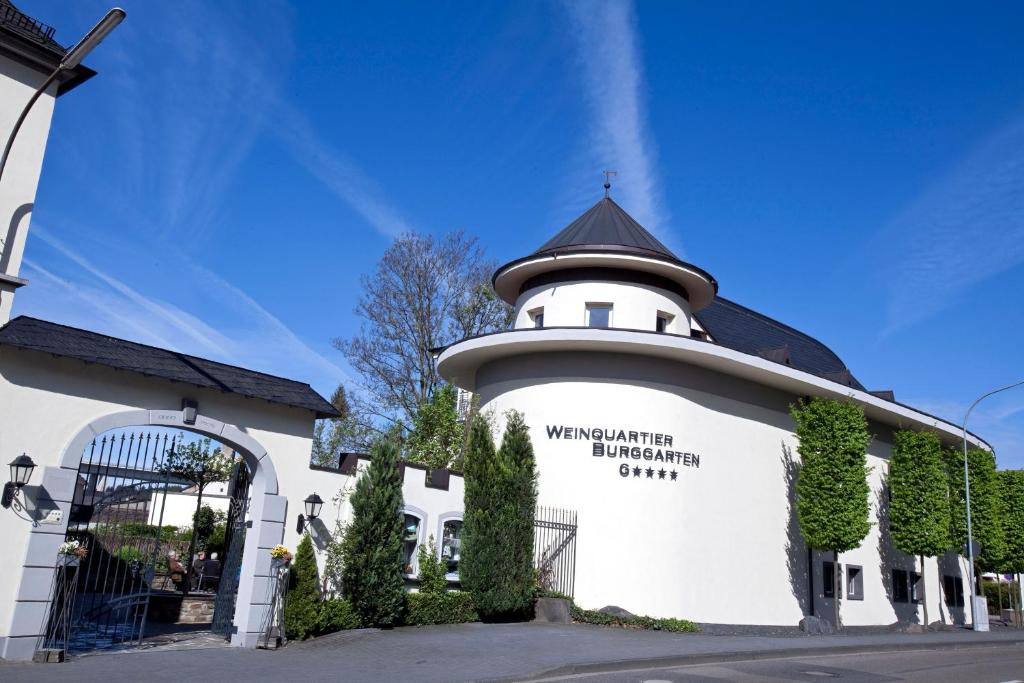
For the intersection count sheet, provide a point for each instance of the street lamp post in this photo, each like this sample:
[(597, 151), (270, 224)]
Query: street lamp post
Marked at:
[(71, 59), (967, 492)]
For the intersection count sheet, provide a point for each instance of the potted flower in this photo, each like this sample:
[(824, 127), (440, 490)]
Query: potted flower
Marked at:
[(280, 555), (71, 553)]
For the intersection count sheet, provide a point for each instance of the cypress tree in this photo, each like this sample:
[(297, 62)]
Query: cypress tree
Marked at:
[(371, 577), (832, 488), (302, 605), (516, 454), (496, 563), (918, 511), (986, 505)]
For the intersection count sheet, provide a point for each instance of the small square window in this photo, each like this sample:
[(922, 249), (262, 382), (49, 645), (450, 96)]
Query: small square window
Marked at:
[(537, 317), (663, 321), (828, 579), (854, 582), (599, 315), (900, 586)]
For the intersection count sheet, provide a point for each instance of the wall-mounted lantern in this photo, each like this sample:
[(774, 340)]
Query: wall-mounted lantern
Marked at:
[(313, 503), (21, 472)]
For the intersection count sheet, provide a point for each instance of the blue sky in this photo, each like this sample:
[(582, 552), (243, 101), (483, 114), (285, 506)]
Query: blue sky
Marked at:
[(855, 171)]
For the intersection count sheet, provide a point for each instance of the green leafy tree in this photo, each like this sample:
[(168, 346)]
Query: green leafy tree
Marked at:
[(496, 562), (986, 505), (436, 439), (302, 607), (832, 492), (431, 569), (202, 465), (1011, 490), (372, 562), (918, 510), (204, 522)]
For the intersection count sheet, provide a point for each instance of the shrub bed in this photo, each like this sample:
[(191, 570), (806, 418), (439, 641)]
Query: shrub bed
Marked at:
[(336, 615), (422, 609), (590, 616)]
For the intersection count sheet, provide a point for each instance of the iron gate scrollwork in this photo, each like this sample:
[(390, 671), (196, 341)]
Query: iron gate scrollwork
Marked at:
[(554, 549), (120, 490), (234, 541)]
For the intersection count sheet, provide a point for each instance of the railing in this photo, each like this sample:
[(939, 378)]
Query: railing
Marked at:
[(14, 18), (554, 549)]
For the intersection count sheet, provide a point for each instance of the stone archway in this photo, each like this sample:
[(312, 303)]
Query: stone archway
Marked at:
[(267, 512)]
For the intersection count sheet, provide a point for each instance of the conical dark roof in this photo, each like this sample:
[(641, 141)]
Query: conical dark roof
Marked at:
[(606, 227)]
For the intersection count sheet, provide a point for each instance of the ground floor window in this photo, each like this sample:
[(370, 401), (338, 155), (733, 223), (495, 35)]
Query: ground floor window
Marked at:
[(828, 579), (450, 545), (854, 582), (410, 539), (916, 587), (900, 585), (953, 587)]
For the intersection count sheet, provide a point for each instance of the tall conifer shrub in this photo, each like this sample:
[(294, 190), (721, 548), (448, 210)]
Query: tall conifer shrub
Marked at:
[(302, 605), (918, 510), (496, 563), (832, 488), (371, 577)]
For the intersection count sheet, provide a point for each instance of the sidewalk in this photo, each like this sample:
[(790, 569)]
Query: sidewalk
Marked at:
[(473, 652)]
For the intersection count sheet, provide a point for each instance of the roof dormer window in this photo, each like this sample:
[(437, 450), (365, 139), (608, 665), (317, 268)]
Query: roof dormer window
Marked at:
[(598, 315), (537, 317)]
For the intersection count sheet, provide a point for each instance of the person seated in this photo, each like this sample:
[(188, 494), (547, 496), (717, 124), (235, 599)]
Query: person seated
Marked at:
[(211, 572), (197, 569), (176, 570)]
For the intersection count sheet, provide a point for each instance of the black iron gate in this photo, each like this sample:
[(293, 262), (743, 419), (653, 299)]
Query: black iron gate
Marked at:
[(234, 542), (117, 515), (554, 549)]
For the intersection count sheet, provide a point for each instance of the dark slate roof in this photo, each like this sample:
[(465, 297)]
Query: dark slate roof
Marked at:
[(31, 42), (69, 342), (606, 227), (742, 329)]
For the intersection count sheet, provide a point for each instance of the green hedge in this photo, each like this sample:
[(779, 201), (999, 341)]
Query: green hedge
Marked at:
[(422, 609), (336, 615), (992, 591)]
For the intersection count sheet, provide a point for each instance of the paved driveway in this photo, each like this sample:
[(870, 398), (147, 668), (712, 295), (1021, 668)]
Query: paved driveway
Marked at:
[(466, 652)]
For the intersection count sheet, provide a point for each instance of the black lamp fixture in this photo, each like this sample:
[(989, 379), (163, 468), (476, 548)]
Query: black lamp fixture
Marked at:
[(21, 472), (313, 503)]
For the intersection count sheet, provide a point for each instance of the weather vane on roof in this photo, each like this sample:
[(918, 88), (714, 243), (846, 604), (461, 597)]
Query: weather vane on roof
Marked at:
[(608, 181)]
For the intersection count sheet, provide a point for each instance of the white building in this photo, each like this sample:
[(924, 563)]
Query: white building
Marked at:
[(659, 411)]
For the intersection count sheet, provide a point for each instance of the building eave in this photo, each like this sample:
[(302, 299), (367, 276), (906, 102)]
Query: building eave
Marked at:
[(459, 363)]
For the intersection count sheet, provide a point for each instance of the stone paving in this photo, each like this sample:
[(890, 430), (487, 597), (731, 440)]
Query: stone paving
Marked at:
[(473, 652)]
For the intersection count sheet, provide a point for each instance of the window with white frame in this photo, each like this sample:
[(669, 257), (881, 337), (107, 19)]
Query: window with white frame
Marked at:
[(410, 540), (537, 317), (599, 315), (854, 582), (451, 543)]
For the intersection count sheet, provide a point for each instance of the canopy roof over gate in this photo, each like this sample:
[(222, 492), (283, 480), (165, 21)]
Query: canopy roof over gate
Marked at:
[(70, 342)]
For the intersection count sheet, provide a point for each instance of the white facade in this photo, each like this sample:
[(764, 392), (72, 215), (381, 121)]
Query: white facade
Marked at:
[(678, 452), (21, 177), (52, 408)]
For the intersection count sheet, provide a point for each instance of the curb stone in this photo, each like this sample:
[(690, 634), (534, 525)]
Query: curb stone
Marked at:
[(613, 666)]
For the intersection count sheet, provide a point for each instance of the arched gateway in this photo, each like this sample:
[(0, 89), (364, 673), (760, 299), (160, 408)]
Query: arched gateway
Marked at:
[(61, 388)]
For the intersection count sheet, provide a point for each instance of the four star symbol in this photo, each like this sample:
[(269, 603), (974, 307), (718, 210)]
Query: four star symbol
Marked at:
[(650, 472)]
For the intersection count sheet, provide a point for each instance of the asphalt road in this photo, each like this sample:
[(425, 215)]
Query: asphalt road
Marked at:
[(981, 665)]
